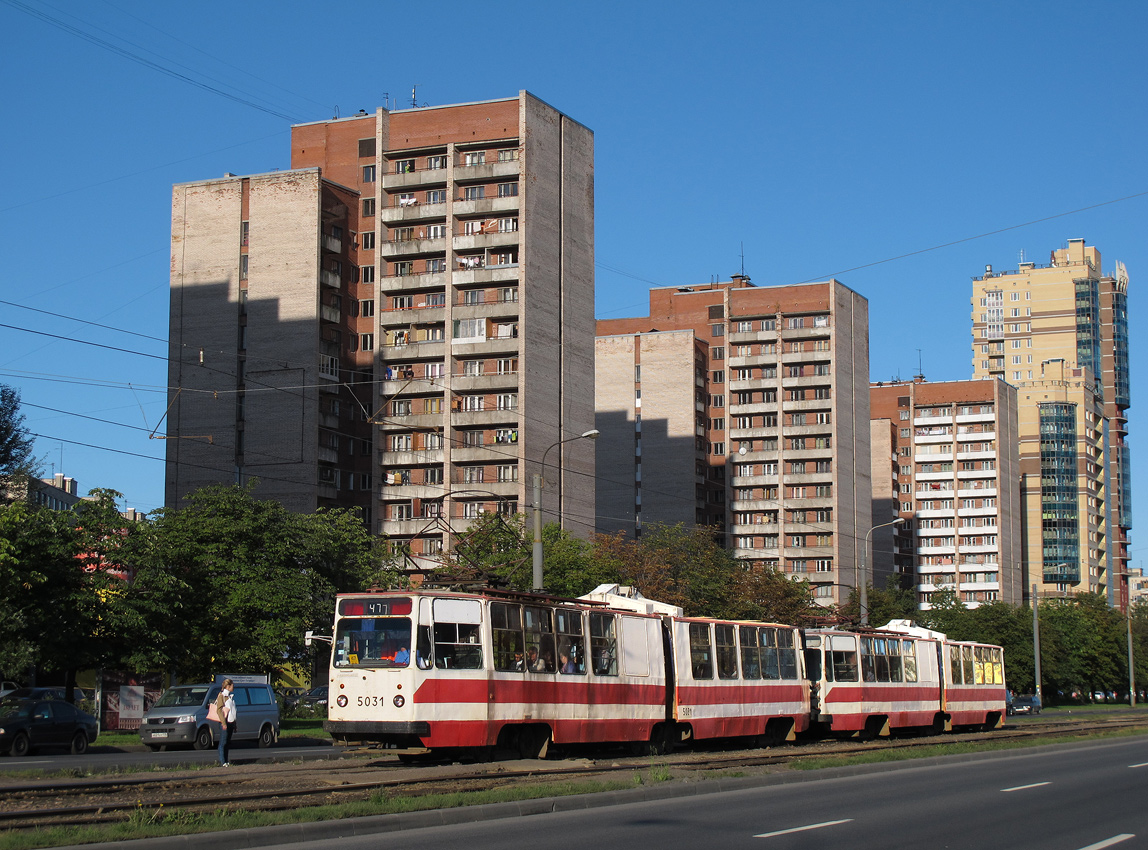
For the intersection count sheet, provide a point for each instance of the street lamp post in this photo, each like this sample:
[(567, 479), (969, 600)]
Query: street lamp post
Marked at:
[(863, 590), (538, 482)]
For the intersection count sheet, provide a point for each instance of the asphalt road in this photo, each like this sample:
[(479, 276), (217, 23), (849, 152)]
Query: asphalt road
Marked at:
[(1071, 797)]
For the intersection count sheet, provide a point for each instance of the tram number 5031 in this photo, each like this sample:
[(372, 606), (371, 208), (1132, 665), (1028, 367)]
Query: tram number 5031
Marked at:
[(370, 701), (685, 711)]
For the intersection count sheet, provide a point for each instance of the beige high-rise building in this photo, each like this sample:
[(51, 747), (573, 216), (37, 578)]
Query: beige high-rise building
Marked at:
[(1059, 333), (403, 322), (747, 409), (954, 446)]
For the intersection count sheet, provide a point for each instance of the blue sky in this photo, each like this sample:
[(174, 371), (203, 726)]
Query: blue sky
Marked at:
[(819, 138)]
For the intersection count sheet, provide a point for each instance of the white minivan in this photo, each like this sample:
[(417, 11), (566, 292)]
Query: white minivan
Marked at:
[(179, 717)]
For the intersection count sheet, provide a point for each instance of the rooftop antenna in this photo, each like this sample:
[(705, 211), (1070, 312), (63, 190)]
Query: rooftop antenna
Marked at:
[(920, 368), (387, 101), (1022, 255), (743, 259), (414, 96)]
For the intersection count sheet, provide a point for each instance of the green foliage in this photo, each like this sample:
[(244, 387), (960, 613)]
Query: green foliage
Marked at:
[(231, 582), (16, 443)]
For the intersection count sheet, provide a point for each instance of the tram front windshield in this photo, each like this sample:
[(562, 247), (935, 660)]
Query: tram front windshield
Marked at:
[(383, 641)]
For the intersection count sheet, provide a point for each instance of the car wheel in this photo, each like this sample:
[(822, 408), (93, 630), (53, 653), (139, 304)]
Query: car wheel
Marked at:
[(203, 739), (21, 746), (266, 736), (79, 743)]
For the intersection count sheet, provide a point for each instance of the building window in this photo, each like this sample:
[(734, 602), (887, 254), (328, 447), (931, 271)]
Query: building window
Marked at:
[(366, 342), (507, 473), (368, 207), (717, 330), (508, 225), (404, 166), (436, 231), (402, 302), (436, 163), (474, 158), (717, 401), (367, 274), (508, 155), (507, 190), (368, 240), (717, 377), (243, 259), (436, 196), (508, 401), (368, 174), (473, 193)]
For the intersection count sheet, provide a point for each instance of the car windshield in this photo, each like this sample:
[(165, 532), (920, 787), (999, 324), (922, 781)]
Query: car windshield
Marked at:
[(373, 642), (180, 697)]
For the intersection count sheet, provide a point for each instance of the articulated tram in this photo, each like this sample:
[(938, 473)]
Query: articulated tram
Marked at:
[(470, 672)]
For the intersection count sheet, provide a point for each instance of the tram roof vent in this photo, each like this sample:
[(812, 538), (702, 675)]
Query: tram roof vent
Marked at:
[(630, 599)]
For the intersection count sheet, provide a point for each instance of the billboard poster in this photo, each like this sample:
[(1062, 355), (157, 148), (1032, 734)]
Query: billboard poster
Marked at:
[(126, 697)]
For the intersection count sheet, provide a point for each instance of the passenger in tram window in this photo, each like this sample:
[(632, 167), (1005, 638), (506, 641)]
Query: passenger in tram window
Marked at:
[(895, 674), (533, 663), (770, 667), (844, 666), (547, 665), (565, 665), (750, 658), (909, 659), (402, 657), (868, 668), (519, 664), (604, 663)]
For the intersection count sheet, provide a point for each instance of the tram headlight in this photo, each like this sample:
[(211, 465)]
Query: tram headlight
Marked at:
[(399, 700), (341, 701)]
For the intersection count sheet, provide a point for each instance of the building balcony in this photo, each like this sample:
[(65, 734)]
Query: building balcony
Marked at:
[(423, 349), (805, 381), (484, 418), (423, 178), (977, 494), (756, 481), (755, 408), (483, 206), (507, 310), (412, 213), (489, 383), (990, 511), (328, 455), (977, 549), (507, 273), (487, 171), (412, 247), (976, 435), (332, 243), (485, 347), (936, 550), (400, 283), (935, 476), (939, 514), (329, 314), (400, 459), (928, 439), (931, 493), (755, 554), (976, 473), (330, 278), (486, 241), (964, 418), (406, 316), (809, 404), (404, 492), (933, 421)]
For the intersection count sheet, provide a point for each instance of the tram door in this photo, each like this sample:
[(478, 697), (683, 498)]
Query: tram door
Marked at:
[(813, 667)]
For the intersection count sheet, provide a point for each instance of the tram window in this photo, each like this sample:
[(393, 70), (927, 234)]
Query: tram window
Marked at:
[(868, 667), (998, 666), (895, 674), (506, 628), (539, 627), (750, 656), (701, 653), (843, 656), (909, 659), (979, 665), (786, 654), (967, 664), (424, 654), (457, 646), (372, 642), (770, 668), (603, 644), (571, 643), (955, 664), (726, 651), (881, 659)]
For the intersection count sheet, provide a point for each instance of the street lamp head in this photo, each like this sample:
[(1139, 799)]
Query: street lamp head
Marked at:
[(592, 434)]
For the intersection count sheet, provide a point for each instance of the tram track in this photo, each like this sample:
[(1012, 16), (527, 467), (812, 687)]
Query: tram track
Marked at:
[(278, 787)]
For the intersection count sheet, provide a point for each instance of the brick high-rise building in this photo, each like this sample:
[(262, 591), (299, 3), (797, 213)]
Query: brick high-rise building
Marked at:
[(744, 408), (1059, 332), (402, 322), (955, 455)]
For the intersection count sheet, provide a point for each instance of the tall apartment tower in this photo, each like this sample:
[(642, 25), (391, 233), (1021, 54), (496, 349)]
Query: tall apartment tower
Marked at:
[(445, 328), (747, 409), (955, 488), (1059, 333)]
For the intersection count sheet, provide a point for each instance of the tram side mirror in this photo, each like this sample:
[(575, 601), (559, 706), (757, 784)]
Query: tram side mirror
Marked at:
[(310, 637)]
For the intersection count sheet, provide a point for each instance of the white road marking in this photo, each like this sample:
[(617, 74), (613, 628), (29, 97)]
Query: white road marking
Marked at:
[(803, 828), (1025, 787), (1108, 842)]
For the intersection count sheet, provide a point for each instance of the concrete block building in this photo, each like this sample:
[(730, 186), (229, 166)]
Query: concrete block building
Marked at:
[(954, 451), (403, 322), (1059, 333), (746, 409)]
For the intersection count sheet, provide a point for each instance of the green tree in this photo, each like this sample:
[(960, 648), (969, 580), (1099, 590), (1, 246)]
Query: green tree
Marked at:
[(40, 586), (16, 444), (231, 582)]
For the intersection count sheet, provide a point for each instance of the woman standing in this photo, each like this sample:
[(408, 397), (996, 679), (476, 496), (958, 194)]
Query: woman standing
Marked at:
[(225, 708)]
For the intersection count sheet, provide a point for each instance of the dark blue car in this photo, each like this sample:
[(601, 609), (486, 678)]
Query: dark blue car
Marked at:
[(26, 724)]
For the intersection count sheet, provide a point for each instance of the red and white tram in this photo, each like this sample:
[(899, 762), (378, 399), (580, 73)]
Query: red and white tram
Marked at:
[(457, 671), (902, 676)]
